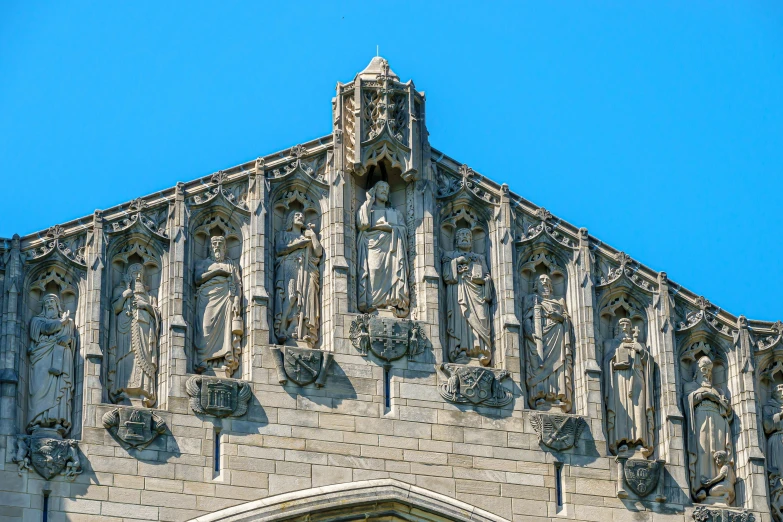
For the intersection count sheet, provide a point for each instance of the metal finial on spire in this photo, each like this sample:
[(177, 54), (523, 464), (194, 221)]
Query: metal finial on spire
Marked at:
[(377, 50)]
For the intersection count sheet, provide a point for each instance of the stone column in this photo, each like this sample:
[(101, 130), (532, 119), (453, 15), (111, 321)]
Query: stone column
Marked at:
[(257, 305), (663, 348), (92, 297), (506, 323), (10, 341), (175, 365), (587, 370), (335, 270), (750, 463)]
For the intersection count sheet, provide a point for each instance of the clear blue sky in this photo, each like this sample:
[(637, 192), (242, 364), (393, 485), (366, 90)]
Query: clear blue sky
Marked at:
[(657, 126)]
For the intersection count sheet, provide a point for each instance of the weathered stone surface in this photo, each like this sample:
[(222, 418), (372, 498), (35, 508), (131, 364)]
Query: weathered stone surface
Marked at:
[(486, 360)]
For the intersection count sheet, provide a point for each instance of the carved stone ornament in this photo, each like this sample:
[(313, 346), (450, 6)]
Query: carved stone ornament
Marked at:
[(475, 385), (386, 337), (557, 431), (302, 366), (707, 514), (218, 397), (641, 476), (48, 455), (133, 427)]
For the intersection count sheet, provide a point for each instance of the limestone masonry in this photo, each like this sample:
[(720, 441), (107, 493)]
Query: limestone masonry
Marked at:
[(363, 328)]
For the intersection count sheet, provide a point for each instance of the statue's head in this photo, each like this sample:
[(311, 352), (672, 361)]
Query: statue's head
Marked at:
[(544, 285), (464, 239), (381, 191), (625, 327), (705, 370), (135, 273), (721, 458), (295, 218), (218, 248), (51, 306), (778, 392)]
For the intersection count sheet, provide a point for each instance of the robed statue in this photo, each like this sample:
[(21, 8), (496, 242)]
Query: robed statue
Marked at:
[(382, 255), (51, 354), (710, 450), (773, 427), (219, 326), (628, 394), (468, 294), (297, 282), (547, 330), (135, 335)]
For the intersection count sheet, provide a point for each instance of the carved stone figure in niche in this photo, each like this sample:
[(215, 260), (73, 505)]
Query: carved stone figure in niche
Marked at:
[(468, 294), (297, 283), (630, 414), (51, 355), (137, 327), (773, 427), (710, 451), (548, 348), (383, 255), (219, 327)]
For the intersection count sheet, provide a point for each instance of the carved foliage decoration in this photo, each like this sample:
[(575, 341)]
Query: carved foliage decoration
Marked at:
[(71, 248), (541, 228), (708, 514), (467, 182), (621, 269), (300, 164), (234, 194), (701, 317), (139, 213)]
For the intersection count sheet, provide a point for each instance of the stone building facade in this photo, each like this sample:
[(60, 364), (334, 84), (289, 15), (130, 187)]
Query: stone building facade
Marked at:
[(361, 327)]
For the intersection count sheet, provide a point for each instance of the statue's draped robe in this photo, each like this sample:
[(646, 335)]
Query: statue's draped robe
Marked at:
[(548, 381), (467, 302), (774, 429), (383, 261), (629, 396), (297, 282), (136, 336), (709, 430), (50, 395), (214, 338)]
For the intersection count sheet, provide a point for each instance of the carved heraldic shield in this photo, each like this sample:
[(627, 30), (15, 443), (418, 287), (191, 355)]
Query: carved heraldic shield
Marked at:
[(217, 396), (133, 427), (475, 385), (641, 475), (302, 365), (559, 432)]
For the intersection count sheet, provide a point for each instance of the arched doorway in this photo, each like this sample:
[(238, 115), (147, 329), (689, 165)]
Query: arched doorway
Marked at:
[(377, 500)]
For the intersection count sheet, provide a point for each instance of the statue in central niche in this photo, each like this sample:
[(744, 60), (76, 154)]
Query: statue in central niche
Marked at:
[(382, 255), (628, 393), (219, 325), (137, 328), (548, 349), (297, 282), (710, 450), (468, 294)]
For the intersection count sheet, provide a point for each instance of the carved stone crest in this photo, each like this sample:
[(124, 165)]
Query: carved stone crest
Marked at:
[(133, 427), (218, 397), (707, 514), (387, 337), (302, 366), (475, 385), (557, 431), (49, 456), (642, 477)]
